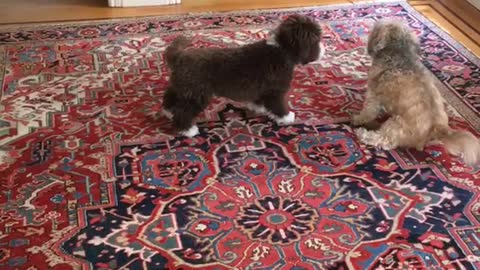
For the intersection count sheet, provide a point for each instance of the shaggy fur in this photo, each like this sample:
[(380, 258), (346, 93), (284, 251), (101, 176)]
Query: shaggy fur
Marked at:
[(400, 84), (258, 73)]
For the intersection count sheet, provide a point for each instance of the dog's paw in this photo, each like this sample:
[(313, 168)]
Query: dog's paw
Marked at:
[(167, 114), (361, 133), (367, 137), (191, 132), (287, 119), (374, 138)]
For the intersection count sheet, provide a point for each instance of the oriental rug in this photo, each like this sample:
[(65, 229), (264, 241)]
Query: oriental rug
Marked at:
[(92, 178)]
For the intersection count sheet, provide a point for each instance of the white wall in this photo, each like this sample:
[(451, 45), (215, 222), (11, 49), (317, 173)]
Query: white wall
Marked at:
[(476, 3)]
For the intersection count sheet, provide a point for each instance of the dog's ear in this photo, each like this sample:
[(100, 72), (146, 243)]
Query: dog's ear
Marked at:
[(310, 50), (406, 39), (415, 44), (394, 35), (300, 36), (377, 40)]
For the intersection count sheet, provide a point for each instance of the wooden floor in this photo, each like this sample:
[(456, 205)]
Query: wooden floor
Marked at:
[(457, 17)]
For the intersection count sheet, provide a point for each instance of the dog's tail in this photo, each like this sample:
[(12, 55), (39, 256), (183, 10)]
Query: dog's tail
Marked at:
[(173, 51), (459, 143)]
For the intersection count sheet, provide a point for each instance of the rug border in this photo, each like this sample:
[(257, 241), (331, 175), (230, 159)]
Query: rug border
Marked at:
[(442, 33), (468, 53), (466, 112)]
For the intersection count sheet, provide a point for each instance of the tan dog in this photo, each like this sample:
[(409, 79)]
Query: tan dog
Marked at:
[(400, 84)]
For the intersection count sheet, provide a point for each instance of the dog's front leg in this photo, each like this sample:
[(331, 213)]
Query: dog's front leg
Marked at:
[(278, 109), (184, 114), (370, 111)]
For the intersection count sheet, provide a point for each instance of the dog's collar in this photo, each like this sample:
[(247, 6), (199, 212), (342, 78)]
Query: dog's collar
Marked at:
[(272, 40)]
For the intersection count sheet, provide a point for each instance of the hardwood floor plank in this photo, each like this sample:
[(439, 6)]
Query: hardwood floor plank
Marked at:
[(22, 11), (457, 21), (455, 31), (465, 11)]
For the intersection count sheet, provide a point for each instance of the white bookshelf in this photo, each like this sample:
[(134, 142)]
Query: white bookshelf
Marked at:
[(142, 3)]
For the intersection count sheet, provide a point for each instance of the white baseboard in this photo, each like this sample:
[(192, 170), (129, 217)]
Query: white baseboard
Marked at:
[(475, 3), (142, 3)]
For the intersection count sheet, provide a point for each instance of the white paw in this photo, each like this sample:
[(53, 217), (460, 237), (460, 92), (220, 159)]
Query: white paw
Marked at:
[(191, 132), (287, 119), (167, 114), (361, 133), (367, 137), (373, 138), (256, 108), (387, 146)]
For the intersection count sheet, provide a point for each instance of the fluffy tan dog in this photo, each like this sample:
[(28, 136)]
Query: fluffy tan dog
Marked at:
[(399, 84)]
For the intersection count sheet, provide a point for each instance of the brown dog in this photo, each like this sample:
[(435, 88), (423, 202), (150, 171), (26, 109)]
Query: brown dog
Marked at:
[(258, 73), (400, 84)]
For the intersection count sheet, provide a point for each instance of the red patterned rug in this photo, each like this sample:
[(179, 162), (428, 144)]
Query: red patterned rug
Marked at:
[(93, 179)]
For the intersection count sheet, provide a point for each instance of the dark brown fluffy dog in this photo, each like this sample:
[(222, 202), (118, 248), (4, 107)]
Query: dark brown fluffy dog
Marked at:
[(258, 73), (401, 85)]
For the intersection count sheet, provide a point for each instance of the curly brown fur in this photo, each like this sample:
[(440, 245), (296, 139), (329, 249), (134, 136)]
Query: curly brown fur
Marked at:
[(177, 46), (258, 73), (400, 84)]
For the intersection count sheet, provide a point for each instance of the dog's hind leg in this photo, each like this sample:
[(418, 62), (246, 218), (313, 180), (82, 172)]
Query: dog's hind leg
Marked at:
[(169, 99), (392, 134), (370, 111), (278, 109), (257, 107), (183, 116), (184, 113)]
